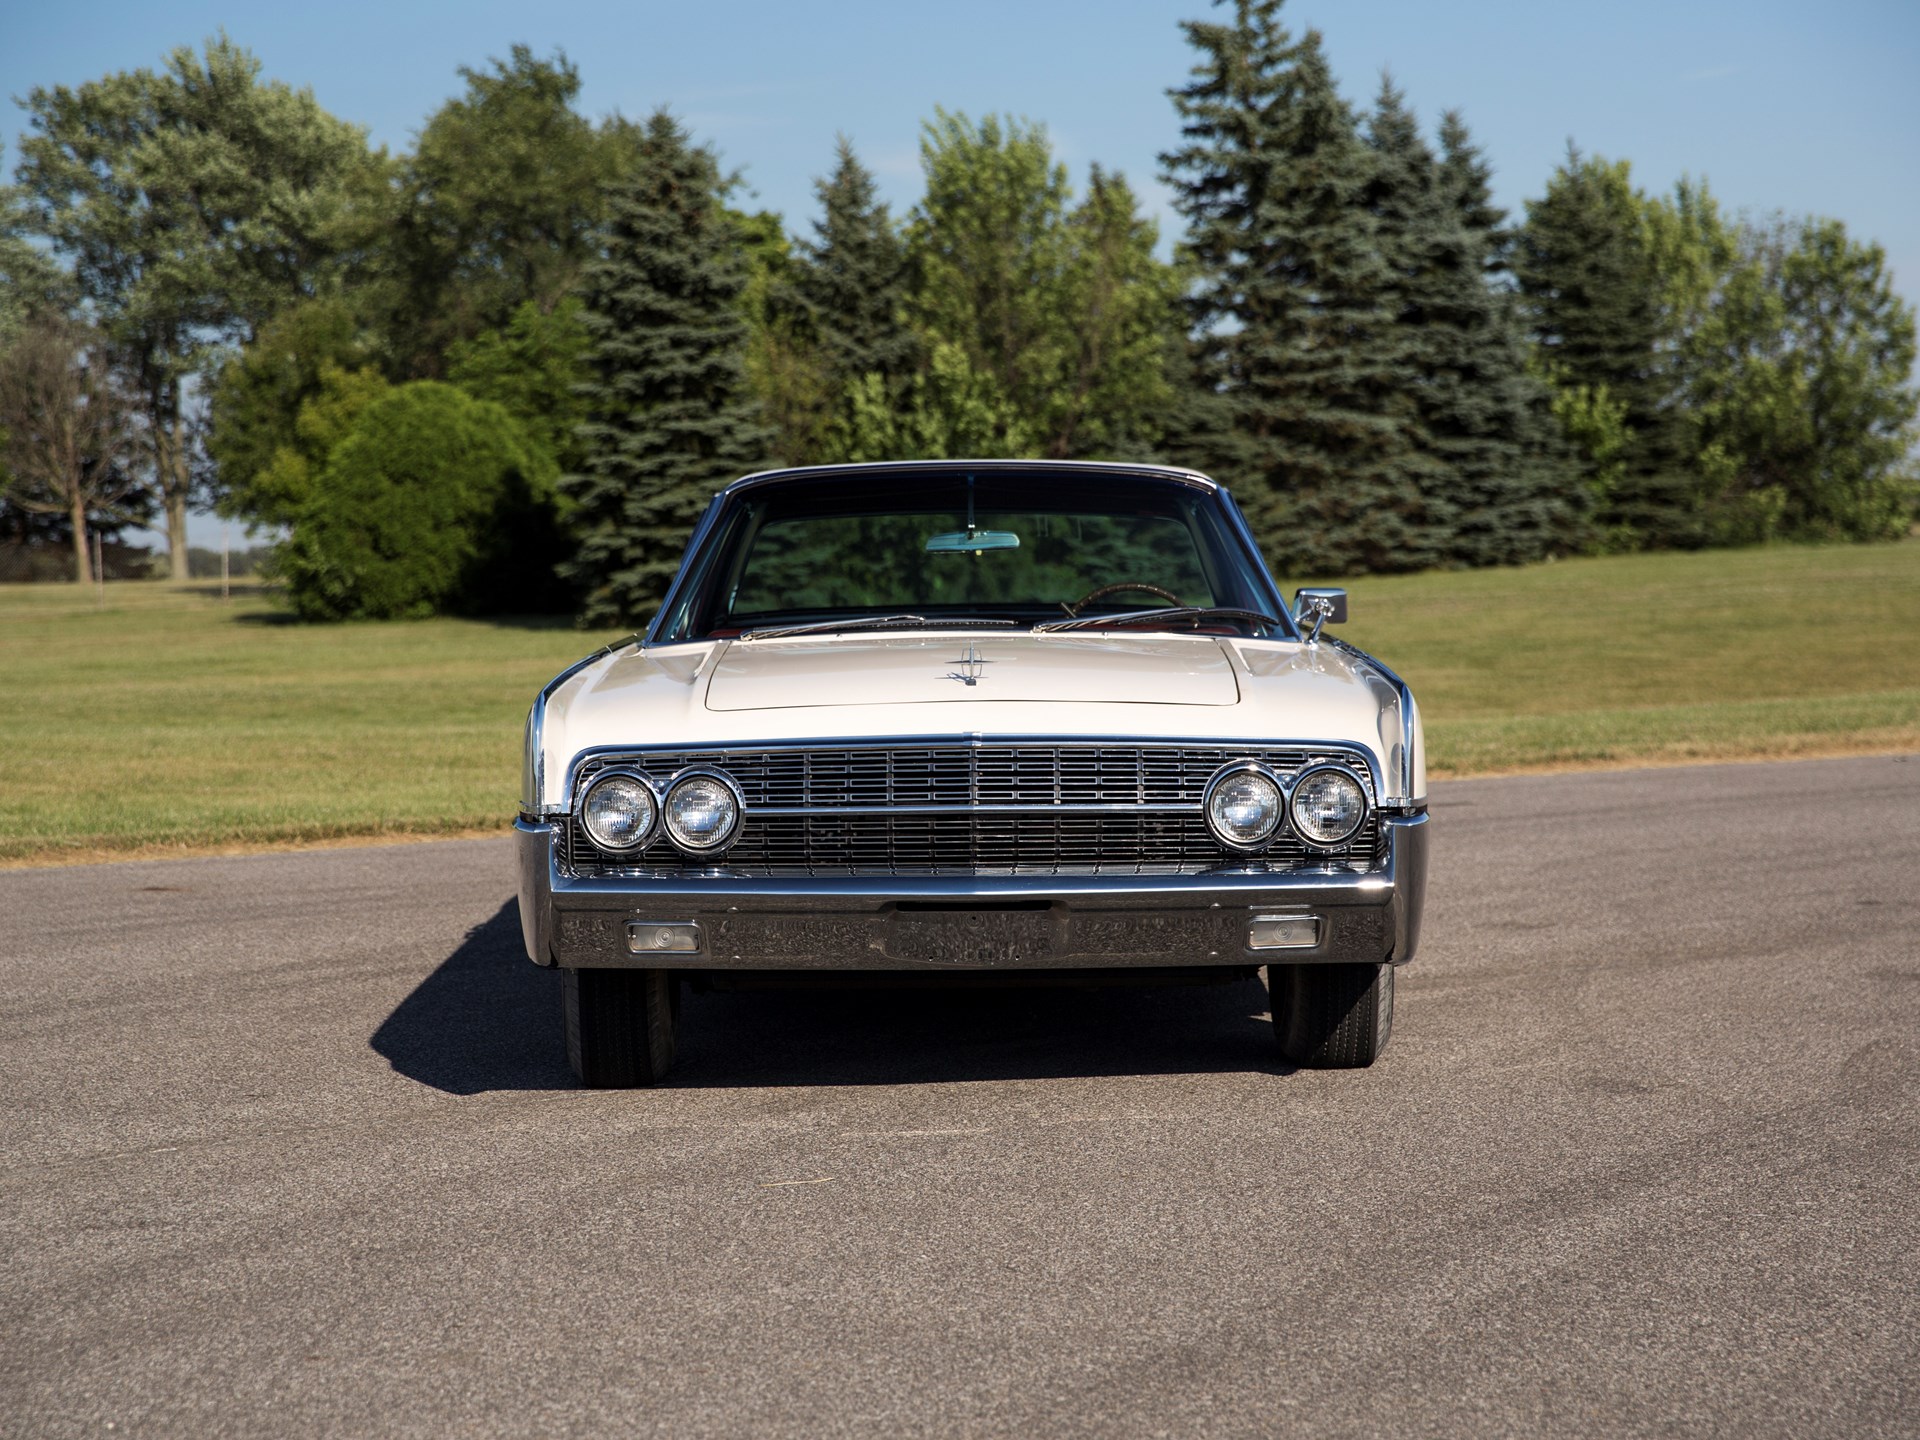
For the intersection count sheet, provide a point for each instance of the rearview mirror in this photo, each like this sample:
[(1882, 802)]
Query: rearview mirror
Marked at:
[(1314, 607), (955, 542)]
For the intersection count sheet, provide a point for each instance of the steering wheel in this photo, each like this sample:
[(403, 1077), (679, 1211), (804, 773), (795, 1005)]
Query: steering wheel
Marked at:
[(1114, 589)]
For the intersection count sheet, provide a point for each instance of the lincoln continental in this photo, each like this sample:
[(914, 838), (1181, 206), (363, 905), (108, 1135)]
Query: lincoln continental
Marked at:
[(1052, 720)]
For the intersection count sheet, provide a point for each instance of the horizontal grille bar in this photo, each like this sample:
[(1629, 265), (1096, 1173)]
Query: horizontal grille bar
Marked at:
[(967, 808)]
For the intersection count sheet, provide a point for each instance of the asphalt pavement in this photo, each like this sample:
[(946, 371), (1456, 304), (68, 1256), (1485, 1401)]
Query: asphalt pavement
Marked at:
[(288, 1146)]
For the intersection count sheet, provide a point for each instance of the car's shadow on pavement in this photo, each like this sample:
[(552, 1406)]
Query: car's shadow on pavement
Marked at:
[(485, 1019)]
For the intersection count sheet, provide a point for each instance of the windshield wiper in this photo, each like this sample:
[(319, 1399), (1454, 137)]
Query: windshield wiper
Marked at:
[(869, 622), (1194, 613)]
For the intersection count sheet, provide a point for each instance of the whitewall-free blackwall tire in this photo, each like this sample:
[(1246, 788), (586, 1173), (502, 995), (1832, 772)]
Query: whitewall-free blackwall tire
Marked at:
[(620, 1025), (1331, 1017)]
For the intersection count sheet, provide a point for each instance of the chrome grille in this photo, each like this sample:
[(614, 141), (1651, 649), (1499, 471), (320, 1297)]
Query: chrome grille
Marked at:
[(955, 807)]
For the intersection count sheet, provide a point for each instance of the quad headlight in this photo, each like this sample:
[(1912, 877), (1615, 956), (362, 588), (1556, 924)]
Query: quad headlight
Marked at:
[(1244, 806), (702, 811), (619, 811), (1328, 805)]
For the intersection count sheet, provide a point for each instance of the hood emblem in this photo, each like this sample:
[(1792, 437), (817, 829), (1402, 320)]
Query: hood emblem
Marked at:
[(969, 671)]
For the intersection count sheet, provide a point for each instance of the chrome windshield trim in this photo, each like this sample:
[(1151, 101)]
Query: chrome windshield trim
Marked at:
[(1238, 520), (975, 740), (1127, 620), (867, 623), (706, 523)]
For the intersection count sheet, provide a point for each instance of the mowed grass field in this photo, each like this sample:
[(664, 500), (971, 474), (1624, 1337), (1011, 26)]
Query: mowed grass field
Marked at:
[(164, 720)]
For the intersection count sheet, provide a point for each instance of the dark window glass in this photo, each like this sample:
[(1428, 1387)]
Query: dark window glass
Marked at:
[(1004, 544)]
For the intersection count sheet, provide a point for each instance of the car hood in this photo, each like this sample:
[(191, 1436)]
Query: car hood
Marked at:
[(953, 668), (855, 688)]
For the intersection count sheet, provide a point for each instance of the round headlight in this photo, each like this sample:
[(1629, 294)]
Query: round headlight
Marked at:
[(619, 811), (1244, 807), (703, 811), (1328, 806)]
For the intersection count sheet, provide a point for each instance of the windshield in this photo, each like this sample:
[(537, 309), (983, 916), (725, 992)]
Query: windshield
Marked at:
[(1005, 545)]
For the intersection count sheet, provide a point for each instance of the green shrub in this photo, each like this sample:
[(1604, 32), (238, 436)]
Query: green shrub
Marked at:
[(433, 502)]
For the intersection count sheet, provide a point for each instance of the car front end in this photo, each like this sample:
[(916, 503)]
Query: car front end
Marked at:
[(830, 783)]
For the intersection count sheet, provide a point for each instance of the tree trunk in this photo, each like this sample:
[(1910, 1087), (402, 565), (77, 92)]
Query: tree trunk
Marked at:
[(170, 469), (77, 513), (177, 533)]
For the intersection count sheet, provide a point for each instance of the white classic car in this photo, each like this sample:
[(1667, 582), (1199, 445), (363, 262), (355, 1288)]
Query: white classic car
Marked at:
[(974, 716)]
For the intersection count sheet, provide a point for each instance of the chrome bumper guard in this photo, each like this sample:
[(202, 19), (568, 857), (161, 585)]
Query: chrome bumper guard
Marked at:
[(968, 922)]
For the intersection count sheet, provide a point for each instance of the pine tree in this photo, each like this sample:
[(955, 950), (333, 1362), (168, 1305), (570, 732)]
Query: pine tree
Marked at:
[(1291, 299), (1492, 471), (1465, 175), (831, 327), (1595, 300), (671, 419), (851, 281), (1422, 243)]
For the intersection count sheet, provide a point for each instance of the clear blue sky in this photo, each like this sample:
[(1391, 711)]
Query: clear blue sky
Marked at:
[(1794, 107)]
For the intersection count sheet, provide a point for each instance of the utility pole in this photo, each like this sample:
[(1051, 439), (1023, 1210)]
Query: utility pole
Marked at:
[(225, 594)]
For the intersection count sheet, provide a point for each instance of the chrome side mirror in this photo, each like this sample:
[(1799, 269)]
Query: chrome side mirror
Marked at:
[(1316, 607)]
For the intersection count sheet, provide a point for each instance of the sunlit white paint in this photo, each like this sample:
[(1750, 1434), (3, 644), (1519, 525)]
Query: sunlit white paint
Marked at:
[(1071, 684)]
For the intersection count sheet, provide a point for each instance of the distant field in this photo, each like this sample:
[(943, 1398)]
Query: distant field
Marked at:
[(167, 720), (1656, 658)]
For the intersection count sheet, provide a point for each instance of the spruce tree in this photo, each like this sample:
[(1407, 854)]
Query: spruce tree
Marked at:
[(851, 280), (1492, 472), (1421, 241), (1595, 300), (1465, 175), (1290, 301), (670, 416)]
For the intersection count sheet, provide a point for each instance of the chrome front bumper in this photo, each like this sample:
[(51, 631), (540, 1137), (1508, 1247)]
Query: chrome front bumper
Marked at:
[(972, 922)]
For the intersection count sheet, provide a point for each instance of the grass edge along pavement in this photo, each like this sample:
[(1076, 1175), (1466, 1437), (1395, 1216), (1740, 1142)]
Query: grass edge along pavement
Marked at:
[(163, 722)]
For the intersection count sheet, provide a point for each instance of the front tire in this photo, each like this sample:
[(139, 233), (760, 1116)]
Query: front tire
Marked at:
[(1331, 1017), (620, 1025)]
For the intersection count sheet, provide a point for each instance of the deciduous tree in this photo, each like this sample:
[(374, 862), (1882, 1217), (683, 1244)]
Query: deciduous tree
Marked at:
[(1062, 309), (535, 369), (67, 433), (1800, 381), (499, 206), (302, 363), (1598, 306), (190, 204), (420, 508)]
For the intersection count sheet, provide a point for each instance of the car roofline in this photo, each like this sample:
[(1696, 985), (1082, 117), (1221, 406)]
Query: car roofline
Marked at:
[(1192, 478)]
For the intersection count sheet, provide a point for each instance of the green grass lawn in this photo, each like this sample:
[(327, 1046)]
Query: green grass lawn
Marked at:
[(165, 718), (1656, 658)]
